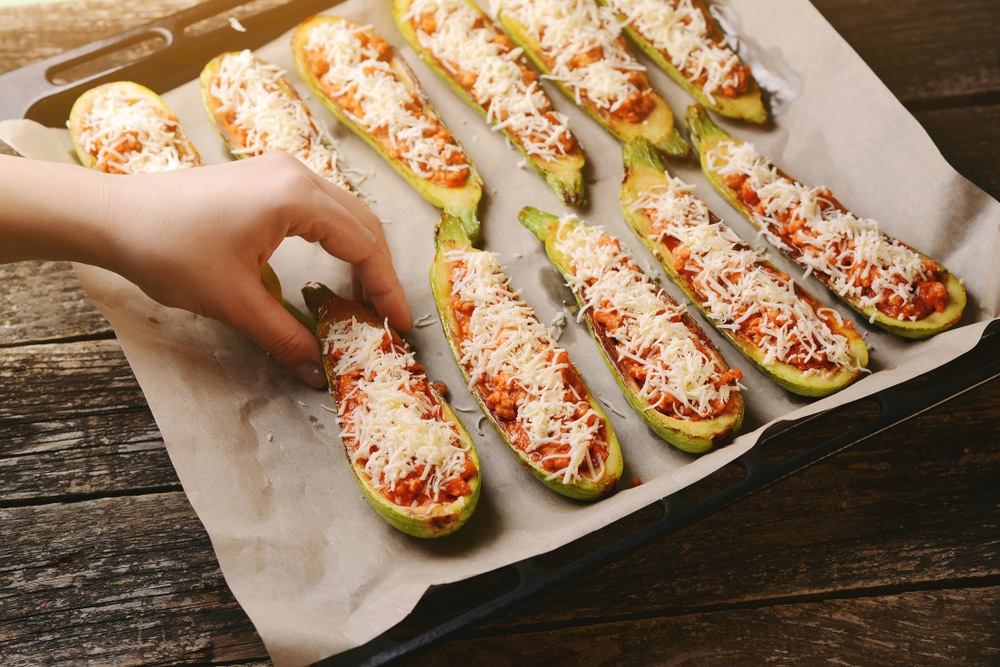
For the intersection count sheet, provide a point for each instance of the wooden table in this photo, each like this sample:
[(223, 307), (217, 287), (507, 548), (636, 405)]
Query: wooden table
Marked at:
[(886, 553)]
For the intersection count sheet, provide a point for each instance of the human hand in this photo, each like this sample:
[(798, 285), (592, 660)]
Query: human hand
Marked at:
[(198, 239)]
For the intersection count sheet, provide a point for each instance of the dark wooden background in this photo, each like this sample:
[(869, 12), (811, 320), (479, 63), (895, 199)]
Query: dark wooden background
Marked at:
[(887, 553)]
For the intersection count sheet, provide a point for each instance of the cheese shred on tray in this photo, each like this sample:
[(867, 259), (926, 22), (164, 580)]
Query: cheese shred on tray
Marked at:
[(670, 362), (589, 55), (263, 114), (126, 130), (488, 66), (848, 253), (738, 291), (528, 382), (354, 67), (682, 31), (391, 423)]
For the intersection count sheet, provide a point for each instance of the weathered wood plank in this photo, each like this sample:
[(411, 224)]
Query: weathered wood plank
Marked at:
[(926, 53), (44, 301), (967, 138), (116, 581), (943, 627), (74, 422)]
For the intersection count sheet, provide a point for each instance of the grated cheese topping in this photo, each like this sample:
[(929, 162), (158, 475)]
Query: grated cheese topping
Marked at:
[(682, 32), (267, 116), (392, 427), (849, 253), (505, 349), (582, 40), (739, 292), (480, 57), (128, 133), (365, 86), (674, 364)]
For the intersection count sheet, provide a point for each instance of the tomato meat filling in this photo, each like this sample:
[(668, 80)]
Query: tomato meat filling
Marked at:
[(677, 370), (848, 253), (356, 72), (392, 424), (525, 380)]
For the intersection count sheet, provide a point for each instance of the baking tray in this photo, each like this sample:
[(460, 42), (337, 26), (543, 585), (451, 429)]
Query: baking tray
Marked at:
[(172, 51)]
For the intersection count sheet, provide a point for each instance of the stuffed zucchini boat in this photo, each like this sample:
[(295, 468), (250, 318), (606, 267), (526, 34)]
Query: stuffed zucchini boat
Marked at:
[(889, 283), (524, 382), (579, 45), (791, 336), (256, 110), (411, 456), (478, 61), (687, 43), (359, 77), (123, 127), (668, 369)]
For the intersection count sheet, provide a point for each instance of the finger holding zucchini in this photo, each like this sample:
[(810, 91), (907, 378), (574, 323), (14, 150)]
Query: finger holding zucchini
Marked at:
[(790, 335), (667, 368), (525, 384), (410, 455), (360, 78), (479, 62), (891, 284)]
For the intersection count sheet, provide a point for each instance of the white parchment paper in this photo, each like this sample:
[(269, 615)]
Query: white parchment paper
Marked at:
[(257, 452)]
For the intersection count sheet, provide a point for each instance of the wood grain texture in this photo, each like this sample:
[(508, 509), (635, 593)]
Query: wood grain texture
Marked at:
[(887, 553)]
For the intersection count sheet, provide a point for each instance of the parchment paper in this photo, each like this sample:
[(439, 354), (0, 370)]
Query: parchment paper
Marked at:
[(258, 454)]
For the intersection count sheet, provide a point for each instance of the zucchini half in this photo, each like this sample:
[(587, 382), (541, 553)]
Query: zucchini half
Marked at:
[(695, 436), (460, 201), (708, 138), (234, 129), (646, 170), (451, 236), (658, 126), (92, 103), (563, 174), (745, 106), (425, 520)]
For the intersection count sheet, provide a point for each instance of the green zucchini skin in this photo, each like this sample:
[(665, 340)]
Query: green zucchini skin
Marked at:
[(563, 175), (695, 437), (461, 202), (437, 520), (658, 127), (645, 169), (748, 106), (451, 235), (706, 135)]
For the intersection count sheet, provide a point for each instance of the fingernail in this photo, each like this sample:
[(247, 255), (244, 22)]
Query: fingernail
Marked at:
[(311, 374)]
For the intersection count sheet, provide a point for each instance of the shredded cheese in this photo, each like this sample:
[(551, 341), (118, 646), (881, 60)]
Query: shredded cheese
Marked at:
[(128, 133), (849, 253), (506, 351), (583, 42), (266, 115), (681, 31), (483, 61), (355, 68), (675, 366), (737, 289), (393, 429)]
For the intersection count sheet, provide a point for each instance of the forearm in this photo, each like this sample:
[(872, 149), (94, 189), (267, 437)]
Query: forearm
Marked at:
[(53, 211)]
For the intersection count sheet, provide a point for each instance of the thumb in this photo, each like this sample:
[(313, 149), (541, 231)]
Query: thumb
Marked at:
[(265, 321)]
